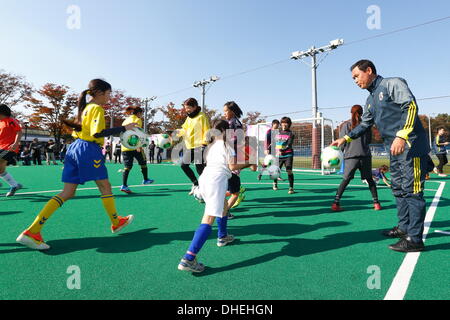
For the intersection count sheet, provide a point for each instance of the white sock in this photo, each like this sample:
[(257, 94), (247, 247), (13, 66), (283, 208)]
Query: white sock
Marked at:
[(9, 179)]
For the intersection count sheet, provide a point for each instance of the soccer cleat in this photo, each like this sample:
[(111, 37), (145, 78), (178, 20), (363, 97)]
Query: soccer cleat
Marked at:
[(146, 182), (224, 241), (125, 189), (123, 222), (32, 241), (394, 233), (291, 191), (239, 200), (191, 266), (193, 190), (336, 207), (13, 190), (377, 206), (406, 245), (275, 187)]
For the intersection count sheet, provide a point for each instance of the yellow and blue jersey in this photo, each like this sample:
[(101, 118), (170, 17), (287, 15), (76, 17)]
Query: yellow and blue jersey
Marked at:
[(84, 158), (93, 122), (131, 119)]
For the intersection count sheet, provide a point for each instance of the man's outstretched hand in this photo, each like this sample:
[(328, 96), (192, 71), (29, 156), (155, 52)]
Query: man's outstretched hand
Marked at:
[(338, 142)]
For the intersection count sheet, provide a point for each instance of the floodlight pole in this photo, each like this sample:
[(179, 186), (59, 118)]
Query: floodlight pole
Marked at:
[(313, 52), (202, 84), (147, 100)]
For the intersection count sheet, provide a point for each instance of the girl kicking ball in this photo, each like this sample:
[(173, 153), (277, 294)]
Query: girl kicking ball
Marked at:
[(213, 183), (84, 162)]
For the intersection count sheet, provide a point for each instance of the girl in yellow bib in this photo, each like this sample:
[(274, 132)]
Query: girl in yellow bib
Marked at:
[(84, 162)]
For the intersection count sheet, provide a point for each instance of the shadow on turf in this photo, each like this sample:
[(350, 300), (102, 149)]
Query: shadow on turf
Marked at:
[(46, 198), (298, 248), (146, 239), (6, 213)]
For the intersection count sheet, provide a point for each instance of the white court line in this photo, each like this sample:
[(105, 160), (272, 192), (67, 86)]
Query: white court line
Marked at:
[(189, 184), (400, 284)]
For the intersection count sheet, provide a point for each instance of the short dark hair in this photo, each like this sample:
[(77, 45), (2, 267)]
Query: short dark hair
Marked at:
[(363, 65), (287, 120), (5, 110), (275, 122)]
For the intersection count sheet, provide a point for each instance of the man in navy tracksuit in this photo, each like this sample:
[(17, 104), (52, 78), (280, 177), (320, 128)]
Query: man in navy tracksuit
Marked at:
[(392, 108)]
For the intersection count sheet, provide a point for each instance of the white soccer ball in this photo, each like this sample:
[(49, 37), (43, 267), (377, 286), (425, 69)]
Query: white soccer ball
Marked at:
[(332, 157), (274, 172), (269, 160), (133, 139), (164, 141)]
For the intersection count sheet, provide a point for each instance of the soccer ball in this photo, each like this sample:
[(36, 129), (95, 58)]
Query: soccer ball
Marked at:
[(133, 139), (274, 172), (269, 160), (164, 141), (332, 157)]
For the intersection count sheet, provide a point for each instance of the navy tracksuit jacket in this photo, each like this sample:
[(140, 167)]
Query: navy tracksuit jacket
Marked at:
[(393, 109)]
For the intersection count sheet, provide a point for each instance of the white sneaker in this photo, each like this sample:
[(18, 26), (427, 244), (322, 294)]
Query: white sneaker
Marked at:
[(435, 170), (193, 190), (36, 244), (442, 175), (224, 241), (191, 266)]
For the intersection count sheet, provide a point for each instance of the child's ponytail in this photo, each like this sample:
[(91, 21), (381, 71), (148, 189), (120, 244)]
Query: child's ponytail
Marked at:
[(95, 86)]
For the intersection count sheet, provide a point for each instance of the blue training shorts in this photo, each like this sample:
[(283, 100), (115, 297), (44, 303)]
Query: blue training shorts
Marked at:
[(84, 162)]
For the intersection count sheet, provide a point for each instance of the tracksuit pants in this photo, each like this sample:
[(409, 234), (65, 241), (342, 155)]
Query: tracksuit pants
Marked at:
[(408, 182)]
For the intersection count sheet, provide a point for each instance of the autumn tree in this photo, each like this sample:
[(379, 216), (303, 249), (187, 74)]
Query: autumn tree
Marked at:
[(173, 117), (13, 89), (56, 104), (252, 118)]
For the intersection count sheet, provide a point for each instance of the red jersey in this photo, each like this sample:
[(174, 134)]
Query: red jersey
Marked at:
[(9, 128)]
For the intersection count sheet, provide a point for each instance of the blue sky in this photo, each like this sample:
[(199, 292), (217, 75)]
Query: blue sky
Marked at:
[(152, 47)]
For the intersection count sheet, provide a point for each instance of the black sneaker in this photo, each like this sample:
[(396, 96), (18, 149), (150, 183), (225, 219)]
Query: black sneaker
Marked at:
[(406, 245), (394, 233), (231, 216)]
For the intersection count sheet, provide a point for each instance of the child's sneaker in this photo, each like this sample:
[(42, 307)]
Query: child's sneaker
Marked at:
[(191, 193), (13, 190), (336, 207), (275, 187), (224, 241), (32, 241), (125, 189), (291, 191), (191, 266), (146, 182), (230, 216), (123, 222), (377, 206)]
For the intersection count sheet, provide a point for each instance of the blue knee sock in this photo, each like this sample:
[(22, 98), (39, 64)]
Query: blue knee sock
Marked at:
[(200, 237), (222, 224)]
